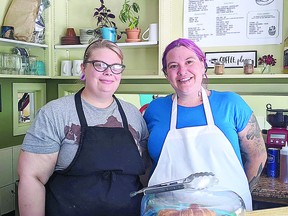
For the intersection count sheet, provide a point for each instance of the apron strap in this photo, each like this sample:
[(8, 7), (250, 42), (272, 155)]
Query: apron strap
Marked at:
[(81, 115), (121, 111), (79, 108), (207, 109), (173, 120)]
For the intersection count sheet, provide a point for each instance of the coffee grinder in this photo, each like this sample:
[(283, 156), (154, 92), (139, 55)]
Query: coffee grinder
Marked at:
[(278, 134)]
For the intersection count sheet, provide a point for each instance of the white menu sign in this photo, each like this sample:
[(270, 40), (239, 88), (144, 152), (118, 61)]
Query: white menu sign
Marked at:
[(233, 22)]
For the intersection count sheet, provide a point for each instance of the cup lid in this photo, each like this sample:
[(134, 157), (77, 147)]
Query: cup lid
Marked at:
[(248, 61)]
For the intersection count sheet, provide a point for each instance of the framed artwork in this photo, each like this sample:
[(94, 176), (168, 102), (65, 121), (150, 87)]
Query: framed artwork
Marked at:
[(231, 59)]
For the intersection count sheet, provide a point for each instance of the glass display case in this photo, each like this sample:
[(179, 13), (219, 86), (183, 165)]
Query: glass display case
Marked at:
[(193, 202)]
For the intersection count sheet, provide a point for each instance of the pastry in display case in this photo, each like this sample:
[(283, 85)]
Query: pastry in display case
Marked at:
[(190, 202), (196, 195)]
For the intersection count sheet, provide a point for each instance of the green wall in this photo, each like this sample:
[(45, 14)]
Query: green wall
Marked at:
[(6, 115)]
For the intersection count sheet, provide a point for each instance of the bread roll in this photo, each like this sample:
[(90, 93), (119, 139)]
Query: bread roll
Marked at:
[(192, 211), (168, 212)]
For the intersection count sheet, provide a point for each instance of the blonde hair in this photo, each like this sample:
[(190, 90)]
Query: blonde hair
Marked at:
[(98, 44)]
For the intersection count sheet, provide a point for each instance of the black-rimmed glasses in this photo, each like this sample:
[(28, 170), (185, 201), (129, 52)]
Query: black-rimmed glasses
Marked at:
[(101, 66)]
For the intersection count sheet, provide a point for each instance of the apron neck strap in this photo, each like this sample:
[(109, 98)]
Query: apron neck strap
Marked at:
[(79, 108), (81, 115), (207, 109)]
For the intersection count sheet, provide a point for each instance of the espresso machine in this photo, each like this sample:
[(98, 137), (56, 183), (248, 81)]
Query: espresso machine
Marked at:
[(277, 136)]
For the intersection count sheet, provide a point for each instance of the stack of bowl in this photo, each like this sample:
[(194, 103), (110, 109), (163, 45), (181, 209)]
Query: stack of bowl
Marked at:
[(70, 38)]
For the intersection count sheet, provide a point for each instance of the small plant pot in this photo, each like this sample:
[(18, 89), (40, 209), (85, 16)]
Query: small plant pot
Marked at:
[(108, 34), (133, 35)]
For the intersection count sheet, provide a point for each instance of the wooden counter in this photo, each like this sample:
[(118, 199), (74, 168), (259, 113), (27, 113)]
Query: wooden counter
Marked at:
[(282, 211), (271, 190)]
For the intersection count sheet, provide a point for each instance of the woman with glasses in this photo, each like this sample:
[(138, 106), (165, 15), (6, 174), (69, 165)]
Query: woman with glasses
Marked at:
[(85, 153), (200, 130)]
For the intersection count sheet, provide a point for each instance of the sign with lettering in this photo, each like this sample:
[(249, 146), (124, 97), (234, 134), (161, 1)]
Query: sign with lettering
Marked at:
[(233, 59), (216, 23)]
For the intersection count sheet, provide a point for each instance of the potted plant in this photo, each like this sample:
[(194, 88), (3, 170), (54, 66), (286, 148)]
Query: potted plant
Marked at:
[(107, 28), (267, 61), (129, 14)]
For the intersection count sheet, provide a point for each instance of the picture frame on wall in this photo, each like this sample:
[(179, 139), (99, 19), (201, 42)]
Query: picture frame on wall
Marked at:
[(231, 59)]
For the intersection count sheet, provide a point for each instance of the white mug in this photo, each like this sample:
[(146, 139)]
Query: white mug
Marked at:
[(76, 67), (66, 68), (153, 32)]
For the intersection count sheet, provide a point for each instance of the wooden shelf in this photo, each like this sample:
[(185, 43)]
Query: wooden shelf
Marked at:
[(132, 44), (232, 76), (248, 76), (22, 43), (15, 76)]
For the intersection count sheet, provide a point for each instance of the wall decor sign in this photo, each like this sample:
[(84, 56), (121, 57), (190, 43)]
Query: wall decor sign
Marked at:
[(213, 23), (231, 59)]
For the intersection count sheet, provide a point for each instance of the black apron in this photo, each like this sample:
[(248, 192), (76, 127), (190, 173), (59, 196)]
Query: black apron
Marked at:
[(104, 171)]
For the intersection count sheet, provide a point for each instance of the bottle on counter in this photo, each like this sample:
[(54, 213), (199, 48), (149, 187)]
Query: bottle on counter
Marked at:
[(284, 164), (285, 57)]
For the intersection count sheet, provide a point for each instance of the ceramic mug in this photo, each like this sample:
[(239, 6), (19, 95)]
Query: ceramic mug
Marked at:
[(66, 68), (153, 32), (76, 67)]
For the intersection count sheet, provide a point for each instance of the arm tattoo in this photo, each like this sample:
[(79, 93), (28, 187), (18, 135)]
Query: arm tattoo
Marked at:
[(255, 179), (254, 131)]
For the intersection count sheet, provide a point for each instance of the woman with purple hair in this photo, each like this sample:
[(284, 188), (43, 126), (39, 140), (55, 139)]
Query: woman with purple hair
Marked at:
[(200, 130)]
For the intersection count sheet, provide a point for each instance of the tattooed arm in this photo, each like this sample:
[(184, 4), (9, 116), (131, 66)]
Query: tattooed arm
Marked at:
[(253, 148)]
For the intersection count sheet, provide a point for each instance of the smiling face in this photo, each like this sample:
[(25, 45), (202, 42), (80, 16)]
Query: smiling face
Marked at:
[(184, 71), (102, 84)]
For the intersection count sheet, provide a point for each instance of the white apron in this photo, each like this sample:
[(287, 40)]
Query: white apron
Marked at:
[(201, 149)]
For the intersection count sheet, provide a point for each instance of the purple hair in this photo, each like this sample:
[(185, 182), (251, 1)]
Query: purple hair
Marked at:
[(189, 44)]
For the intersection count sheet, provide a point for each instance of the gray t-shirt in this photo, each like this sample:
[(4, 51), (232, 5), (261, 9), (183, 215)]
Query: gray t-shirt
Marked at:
[(56, 127)]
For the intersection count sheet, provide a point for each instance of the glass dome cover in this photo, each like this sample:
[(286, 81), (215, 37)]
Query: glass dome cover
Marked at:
[(212, 202)]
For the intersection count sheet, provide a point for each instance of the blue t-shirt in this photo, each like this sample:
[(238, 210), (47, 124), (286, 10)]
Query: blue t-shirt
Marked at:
[(230, 112)]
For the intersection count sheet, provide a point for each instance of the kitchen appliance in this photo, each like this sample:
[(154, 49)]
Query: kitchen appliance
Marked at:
[(277, 136)]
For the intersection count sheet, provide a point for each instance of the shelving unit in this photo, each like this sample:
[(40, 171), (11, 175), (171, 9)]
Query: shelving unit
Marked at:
[(134, 44), (142, 59), (4, 41)]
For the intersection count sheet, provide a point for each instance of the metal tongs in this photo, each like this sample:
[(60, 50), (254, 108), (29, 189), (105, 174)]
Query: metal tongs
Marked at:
[(195, 181)]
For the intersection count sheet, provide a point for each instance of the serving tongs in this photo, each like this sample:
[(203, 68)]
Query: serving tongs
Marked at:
[(195, 181)]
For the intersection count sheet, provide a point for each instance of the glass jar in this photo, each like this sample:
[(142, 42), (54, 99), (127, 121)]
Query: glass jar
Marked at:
[(219, 68), (248, 66), (186, 201)]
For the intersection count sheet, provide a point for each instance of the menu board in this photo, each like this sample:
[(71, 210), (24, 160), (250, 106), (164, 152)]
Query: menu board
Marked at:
[(212, 23)]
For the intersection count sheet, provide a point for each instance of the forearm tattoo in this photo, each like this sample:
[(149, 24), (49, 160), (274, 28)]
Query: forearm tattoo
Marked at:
[(255, 179), (255, 148)]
